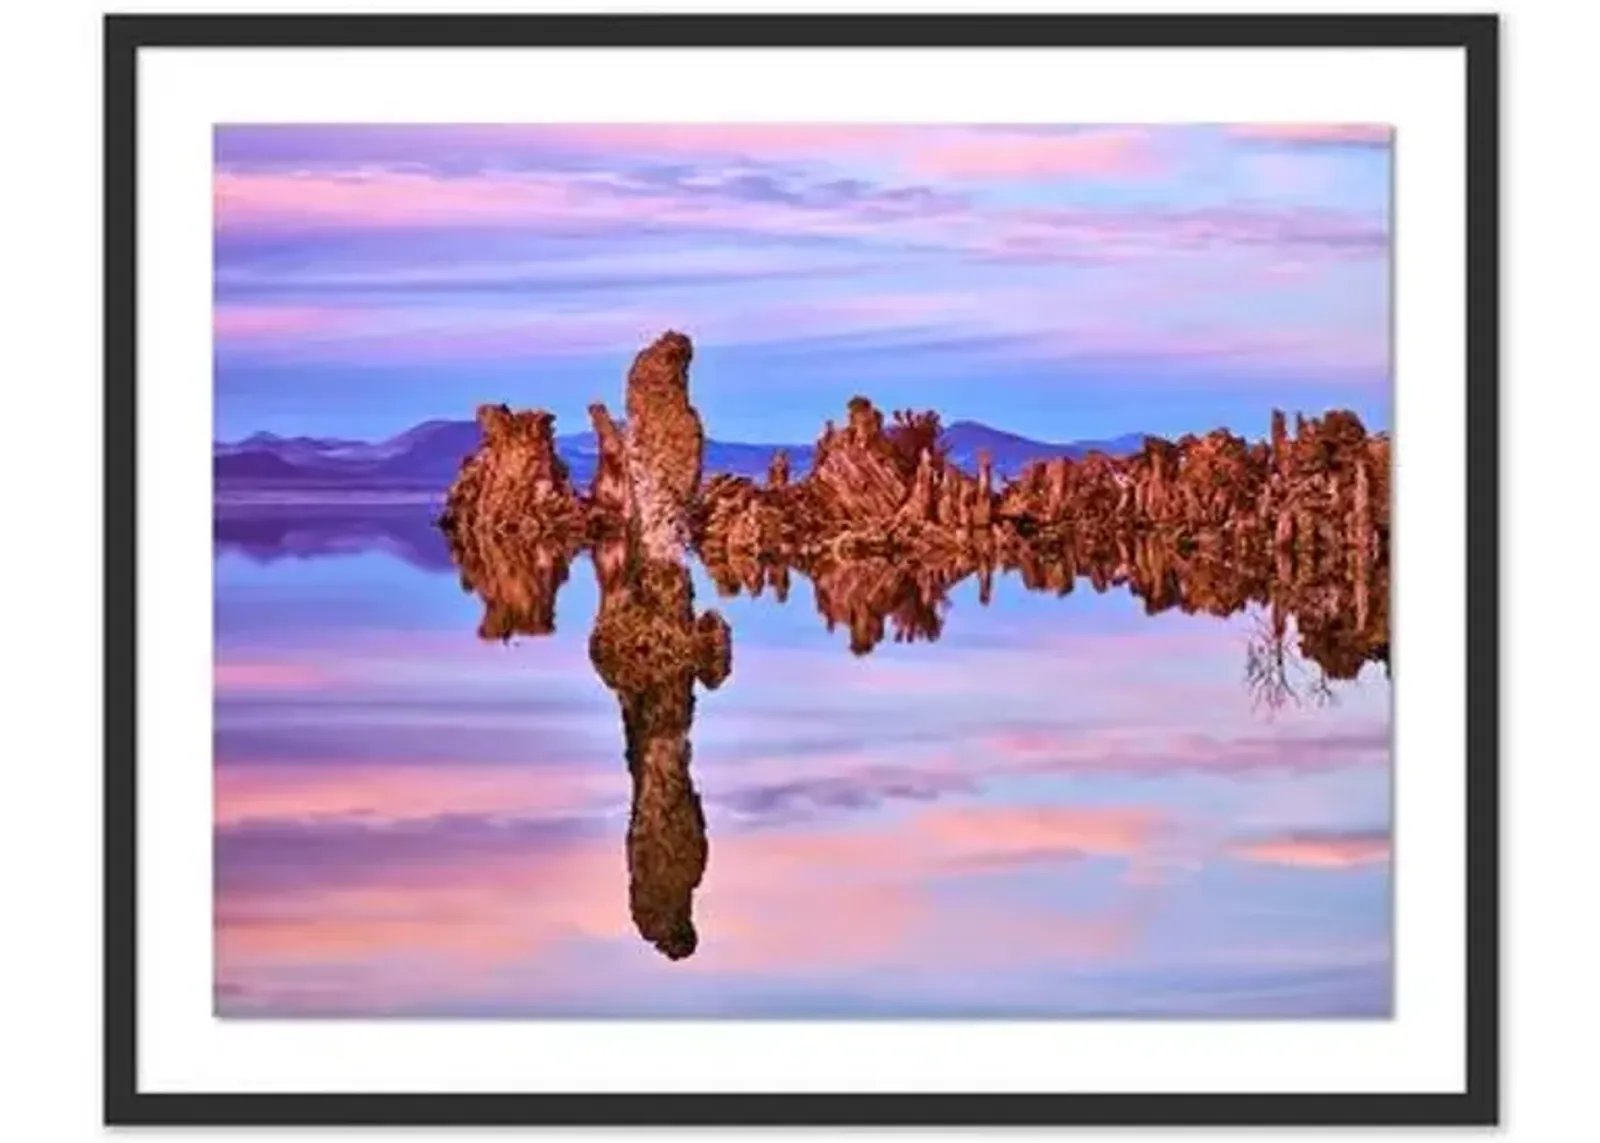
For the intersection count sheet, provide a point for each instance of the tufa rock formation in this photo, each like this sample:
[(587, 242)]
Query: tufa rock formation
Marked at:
[(877, 489), (663, 446), (514, 484), (515, 523), (883, 523), (884, 526), (608, 493)]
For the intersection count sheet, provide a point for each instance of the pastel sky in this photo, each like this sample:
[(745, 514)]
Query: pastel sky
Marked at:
[(1065, 282)]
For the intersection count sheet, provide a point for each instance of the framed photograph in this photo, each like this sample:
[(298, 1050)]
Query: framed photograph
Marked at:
[(874, 570)]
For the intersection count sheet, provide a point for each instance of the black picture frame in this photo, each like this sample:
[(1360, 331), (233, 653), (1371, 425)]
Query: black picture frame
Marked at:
[(125, 35)]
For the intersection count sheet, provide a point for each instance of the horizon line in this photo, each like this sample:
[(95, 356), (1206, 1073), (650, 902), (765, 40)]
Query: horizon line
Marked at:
[(711, 439)]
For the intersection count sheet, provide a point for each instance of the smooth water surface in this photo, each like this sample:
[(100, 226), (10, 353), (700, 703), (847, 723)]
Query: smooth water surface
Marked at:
[(1062, 806)]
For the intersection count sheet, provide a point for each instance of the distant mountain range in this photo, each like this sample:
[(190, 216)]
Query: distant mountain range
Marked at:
[(427, 456)]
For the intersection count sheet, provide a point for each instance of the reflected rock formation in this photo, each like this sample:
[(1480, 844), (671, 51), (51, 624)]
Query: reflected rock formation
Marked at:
[(515, 524), (649, 648), (884, 526)]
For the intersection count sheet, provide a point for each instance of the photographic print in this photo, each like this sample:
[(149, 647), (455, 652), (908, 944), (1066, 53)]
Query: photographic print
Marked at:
[(801, 570), (806, 570)]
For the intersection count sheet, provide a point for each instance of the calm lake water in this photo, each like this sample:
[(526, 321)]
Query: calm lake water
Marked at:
[(1062, 807)]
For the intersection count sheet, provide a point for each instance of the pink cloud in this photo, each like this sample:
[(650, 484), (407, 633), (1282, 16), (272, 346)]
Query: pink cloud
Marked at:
[(993, 833), (815, 901), (390, 793), (1371, 134), (884, 893), (460, 912), (1120, 153), (979, 152), (383, 198), (464, 916), (233, 675), (940, 838), (1316, 850), (253, 321), (788, 141), (571, 202), (814, 925), (489, 917), (836, 899)]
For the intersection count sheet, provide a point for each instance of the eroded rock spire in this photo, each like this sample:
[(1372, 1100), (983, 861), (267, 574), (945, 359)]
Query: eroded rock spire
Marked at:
[(665, 444)]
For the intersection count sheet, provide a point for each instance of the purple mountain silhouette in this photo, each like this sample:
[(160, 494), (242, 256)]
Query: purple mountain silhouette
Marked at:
[(964, 439), (427, 456)]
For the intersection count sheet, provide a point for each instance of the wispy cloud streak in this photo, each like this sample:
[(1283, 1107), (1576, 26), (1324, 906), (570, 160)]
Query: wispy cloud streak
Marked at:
[(1254, 251)]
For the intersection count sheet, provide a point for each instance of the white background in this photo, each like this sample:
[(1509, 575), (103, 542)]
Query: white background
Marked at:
[(183, 92), (51, 191)]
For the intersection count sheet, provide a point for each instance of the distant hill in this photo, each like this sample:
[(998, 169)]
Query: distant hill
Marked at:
[(427, 456), (288, 445), (964, 439)]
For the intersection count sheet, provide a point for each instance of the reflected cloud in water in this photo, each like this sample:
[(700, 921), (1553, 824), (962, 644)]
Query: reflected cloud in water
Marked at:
[(1055, 809)]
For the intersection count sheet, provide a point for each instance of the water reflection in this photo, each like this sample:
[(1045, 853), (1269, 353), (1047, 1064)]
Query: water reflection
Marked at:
[(268, 533), (1319, 620), (1064, 807), (1068, 809), (1338, 608), (650, 648)]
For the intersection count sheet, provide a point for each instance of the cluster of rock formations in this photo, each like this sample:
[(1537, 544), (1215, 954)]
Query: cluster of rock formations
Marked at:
[(1314, 498), (877, 490), (884, 526)]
